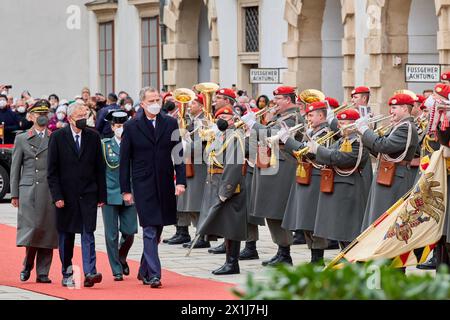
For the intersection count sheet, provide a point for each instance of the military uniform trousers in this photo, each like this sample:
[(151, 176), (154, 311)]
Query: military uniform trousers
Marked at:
[(124, 219), (184, 219)]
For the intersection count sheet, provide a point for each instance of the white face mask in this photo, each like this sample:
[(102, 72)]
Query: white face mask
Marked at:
[(154, 108), (21, 109), (429, 102), (2, 104), (60, 116), (118, 132), (128, 107), (4, 93)]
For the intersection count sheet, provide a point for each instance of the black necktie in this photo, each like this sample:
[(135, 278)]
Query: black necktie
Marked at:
[(77, 143)]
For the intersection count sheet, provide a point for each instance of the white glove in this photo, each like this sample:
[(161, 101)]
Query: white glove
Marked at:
[(222, 198), (330, 116), (284, 132), (362, 125), (215, 129), (249, 119), (312, 146), (186, 136)]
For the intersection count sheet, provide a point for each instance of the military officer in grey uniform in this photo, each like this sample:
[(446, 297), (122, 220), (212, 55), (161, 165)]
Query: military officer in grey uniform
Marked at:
[(189, 203), (117, 215), (36, 219), (223, 212), (340, 212), (395, 151), (303, 199), (271, 184)]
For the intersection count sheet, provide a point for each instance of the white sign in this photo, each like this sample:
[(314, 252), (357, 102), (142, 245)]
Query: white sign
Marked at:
[(422, 72), (265, 75)]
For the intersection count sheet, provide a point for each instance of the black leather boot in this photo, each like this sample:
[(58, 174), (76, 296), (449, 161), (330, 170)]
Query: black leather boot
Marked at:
[(183, 236), (220, 249), (174, 236), (317, 256), (200, 244), (231, 265), (249, 252), (284, 256), (299, 237), (271, 260)]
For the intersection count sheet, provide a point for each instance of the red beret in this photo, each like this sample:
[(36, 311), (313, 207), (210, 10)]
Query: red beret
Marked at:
[(199, 98), (360, 90), (401, 99), (168, 94), (332, 102), (224, 110), (445, 76), (443, 90), (320, 105), (227, 92), (349, 114), (421, 98), (284, 90)]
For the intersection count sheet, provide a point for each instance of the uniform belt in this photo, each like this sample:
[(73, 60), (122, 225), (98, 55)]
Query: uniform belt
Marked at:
[(404, 163), (215, 171)]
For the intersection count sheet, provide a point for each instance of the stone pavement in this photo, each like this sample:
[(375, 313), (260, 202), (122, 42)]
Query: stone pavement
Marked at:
[(199, 264)]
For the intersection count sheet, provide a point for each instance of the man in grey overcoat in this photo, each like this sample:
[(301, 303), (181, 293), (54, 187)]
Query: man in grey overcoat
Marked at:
[(36, 220)]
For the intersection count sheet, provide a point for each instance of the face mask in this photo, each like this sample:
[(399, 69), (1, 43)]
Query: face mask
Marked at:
[(21, 109), (118, 132), (128, 107), (2, 104), (60, 116), (4, 93), (42, 121), (154, 108), (81, 124), (429, 102)]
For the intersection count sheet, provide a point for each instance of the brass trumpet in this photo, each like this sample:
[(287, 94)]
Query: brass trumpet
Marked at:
[(343, 108), (373, 120), (183, 96), (292, 130), (302, 152), (239, 123)]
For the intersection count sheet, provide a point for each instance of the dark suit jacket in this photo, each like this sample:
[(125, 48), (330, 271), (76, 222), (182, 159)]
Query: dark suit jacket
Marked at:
[(79, 180), (145, 157)]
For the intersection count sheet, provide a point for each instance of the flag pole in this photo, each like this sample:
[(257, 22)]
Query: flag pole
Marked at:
[(368, 230)]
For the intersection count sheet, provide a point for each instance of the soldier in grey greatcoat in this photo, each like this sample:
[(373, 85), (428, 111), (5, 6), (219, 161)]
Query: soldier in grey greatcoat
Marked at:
[(396, 149), (223, 212), (340, 212), (271, 186), (189, 203), (303, 199), (36, 219)]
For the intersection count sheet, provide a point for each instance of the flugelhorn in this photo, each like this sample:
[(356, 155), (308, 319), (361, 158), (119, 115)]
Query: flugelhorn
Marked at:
[(183, 96), (207, 89)]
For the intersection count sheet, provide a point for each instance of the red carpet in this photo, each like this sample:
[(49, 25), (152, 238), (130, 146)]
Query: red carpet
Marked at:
[(175, 286)]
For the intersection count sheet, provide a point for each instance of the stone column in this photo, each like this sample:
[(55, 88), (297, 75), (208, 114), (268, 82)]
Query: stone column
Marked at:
[(443, 36), (348, 46)]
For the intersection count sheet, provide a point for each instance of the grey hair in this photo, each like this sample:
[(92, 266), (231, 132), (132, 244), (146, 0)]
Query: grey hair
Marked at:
[(144, 90), (74, 106)]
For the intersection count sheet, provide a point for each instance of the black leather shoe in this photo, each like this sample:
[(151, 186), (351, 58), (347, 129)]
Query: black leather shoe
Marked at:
[(180, 239), (43, 279), (68, 282), (91, 279), (199, 245), (155, 282), (429, 265), (220, 249), (227, 268), (248, 254), (118, 277), (25, 275), (125, 268)]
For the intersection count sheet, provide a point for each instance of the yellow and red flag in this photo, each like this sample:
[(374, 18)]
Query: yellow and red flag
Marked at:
[(408, 231)]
